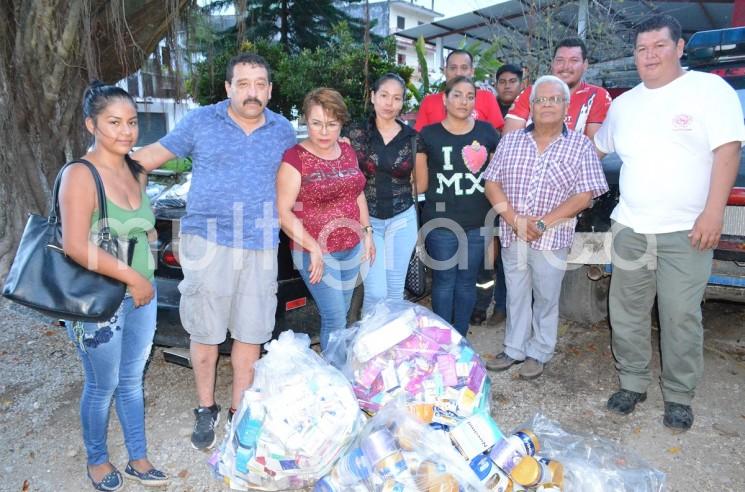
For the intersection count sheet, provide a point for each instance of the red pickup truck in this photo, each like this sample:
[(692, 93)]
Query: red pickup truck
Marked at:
[(585, 290)]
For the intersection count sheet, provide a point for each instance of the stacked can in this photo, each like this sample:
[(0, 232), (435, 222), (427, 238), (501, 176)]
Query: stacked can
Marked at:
[(396, 452)]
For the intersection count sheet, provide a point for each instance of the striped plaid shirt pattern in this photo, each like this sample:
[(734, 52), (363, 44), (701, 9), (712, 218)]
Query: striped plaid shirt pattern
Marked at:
[(537, 183)]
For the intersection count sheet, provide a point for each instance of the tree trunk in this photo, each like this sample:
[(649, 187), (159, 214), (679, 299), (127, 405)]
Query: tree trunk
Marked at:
[(284, 28), (49, 51)]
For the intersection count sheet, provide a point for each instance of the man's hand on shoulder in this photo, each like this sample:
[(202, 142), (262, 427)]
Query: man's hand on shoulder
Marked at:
[(706, 230)]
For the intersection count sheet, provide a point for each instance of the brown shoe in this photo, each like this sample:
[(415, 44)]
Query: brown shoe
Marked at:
[(501, 362), (531, 369), (477, 317), (497, 317)]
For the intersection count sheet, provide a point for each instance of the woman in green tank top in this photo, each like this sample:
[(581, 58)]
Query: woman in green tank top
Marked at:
[(113, 353)]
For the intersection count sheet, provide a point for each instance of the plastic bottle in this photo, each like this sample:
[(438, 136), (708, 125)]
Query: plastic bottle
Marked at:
[(382, 453), (245, 438), (350, 470), (530, 472), (508, 451), (490, 475)]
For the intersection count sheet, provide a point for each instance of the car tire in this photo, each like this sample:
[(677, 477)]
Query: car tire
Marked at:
[(583, 300)]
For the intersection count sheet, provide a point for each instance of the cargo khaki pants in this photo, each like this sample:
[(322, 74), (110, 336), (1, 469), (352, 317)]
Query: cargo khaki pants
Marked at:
[(668, 266)]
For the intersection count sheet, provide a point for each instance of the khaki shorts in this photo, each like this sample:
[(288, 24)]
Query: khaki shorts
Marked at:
[(227, 289)]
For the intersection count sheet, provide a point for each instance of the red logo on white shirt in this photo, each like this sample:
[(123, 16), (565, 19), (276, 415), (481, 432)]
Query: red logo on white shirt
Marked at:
[(682, 122)]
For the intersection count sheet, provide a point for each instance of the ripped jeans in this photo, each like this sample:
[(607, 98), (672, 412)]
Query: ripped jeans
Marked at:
[(114, 354)]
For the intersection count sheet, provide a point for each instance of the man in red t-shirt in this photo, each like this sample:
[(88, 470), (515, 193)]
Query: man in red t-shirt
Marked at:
[(588, 104), (432, 109)]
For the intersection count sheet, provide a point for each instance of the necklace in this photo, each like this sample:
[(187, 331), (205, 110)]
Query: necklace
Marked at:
[(330, 154)]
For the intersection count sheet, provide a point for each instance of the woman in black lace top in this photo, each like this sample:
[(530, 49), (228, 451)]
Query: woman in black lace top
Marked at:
[(385, 149)]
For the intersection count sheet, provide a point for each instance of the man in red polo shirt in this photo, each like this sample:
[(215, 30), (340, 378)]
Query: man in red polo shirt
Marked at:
[(588, 104), (432, 109)]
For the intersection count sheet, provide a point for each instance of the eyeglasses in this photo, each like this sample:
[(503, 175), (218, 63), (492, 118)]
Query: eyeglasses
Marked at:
[(549, 101), (330, 126)]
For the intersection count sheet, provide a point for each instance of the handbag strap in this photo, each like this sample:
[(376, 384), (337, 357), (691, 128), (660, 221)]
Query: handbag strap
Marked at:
[(414, 191), (54, 213)]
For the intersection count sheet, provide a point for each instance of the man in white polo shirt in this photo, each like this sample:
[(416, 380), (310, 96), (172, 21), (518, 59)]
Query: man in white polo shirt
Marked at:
[(679, 135)]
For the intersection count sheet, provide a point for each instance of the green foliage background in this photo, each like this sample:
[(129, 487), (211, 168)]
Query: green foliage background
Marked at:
[(340, 64)]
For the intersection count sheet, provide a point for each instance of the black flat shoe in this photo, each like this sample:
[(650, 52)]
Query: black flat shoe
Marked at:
[(112, 481), (150, 478)]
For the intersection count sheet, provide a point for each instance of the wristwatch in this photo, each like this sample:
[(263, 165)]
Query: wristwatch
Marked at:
[(367, 228), (541, 226)]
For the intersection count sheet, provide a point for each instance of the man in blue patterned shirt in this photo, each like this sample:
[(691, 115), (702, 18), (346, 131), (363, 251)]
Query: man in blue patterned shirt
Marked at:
[(229, 235), (539, 179)]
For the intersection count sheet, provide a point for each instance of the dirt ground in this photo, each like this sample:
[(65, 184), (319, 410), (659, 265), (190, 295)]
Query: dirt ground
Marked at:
[(41, 382)]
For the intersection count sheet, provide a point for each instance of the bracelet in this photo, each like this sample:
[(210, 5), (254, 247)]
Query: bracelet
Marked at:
[(367, 228)]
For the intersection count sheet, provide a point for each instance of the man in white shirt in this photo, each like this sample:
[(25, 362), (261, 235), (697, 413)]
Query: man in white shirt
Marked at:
[(679, 135)]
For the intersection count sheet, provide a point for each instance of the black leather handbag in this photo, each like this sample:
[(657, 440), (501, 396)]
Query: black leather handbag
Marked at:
[(416, 273), (43, 278)]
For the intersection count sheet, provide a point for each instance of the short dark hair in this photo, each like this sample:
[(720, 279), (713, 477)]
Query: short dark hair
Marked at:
[(250, 59), (457, 80), (510, 68), (459, 52), (660, 22), (329, 100), (572, 43)]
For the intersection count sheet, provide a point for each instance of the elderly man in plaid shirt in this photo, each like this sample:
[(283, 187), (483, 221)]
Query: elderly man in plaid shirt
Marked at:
[(539, 179)]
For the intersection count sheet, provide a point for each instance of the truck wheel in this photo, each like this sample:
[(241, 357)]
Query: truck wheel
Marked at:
[(583, 300)]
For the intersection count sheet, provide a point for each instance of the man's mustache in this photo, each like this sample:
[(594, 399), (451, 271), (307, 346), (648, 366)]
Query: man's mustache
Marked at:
[(252, 100)]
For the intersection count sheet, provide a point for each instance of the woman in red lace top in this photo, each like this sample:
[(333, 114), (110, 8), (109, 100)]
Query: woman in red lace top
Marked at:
[(322, 208)]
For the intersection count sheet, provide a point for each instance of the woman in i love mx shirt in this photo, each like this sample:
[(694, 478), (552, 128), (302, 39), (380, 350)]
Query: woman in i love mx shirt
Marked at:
[(451, 157)]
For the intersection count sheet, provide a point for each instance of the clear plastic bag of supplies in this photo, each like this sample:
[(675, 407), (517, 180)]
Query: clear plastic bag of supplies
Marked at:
[(405, 350), (395, 451), (293, 423), (594, 464)]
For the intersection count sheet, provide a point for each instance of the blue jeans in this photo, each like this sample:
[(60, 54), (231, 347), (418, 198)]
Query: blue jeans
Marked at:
[(498, 291), (454, 287), (333, 294), (394, 240), (114, 354)]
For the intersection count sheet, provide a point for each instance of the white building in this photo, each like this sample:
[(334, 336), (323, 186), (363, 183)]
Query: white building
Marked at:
[(392, 16), (158, 90)]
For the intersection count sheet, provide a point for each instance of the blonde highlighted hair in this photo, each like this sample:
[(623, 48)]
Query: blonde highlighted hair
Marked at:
[(329, 100)]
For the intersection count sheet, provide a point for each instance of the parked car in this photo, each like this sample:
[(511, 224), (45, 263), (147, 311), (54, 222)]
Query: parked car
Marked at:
[(295, 307), (584, 294)]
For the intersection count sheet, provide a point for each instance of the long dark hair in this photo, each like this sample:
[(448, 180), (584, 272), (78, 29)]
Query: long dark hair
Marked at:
[(96, 98)]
